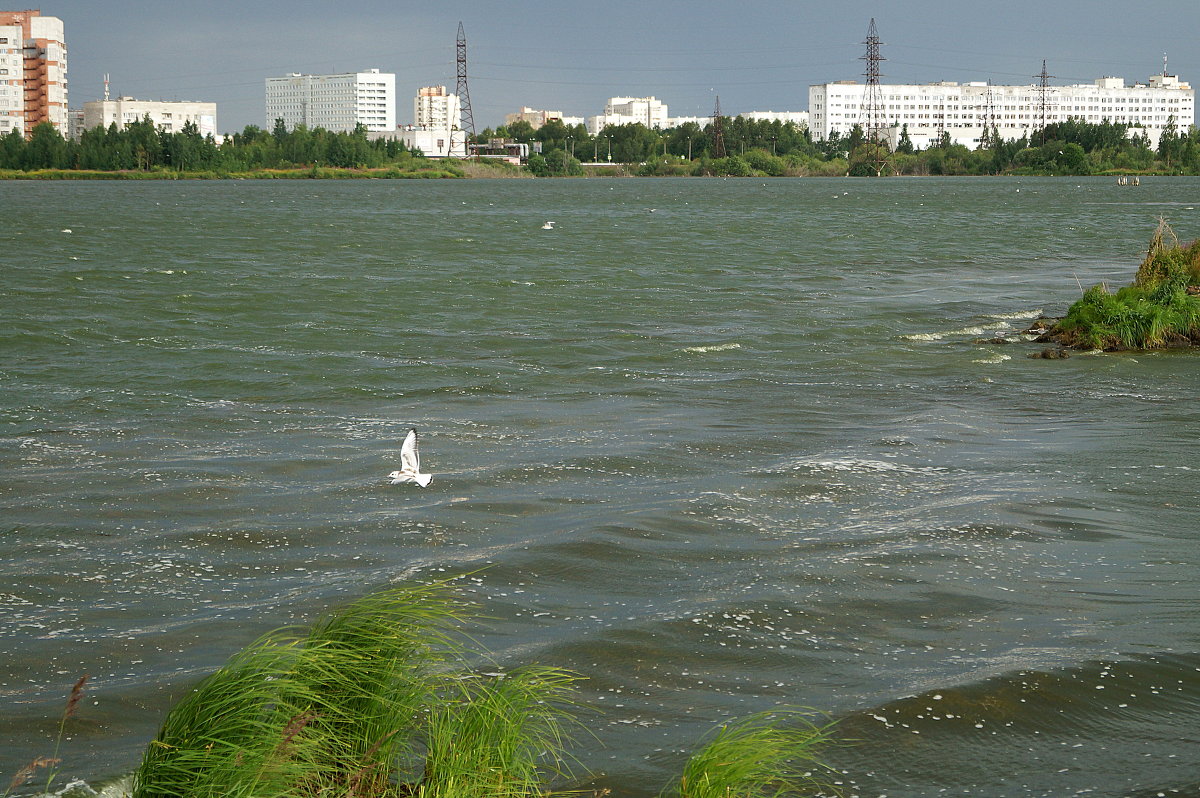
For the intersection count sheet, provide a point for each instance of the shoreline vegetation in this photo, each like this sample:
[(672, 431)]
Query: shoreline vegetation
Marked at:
[(748, 148), (386, 697)]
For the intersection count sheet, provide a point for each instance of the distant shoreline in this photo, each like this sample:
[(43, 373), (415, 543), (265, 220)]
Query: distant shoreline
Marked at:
[(439, 171)]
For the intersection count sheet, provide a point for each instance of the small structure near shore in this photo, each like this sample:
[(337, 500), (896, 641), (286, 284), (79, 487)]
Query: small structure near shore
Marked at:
[(1161, 309)]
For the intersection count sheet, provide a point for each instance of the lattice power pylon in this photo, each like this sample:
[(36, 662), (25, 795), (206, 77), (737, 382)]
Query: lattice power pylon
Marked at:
[(989, 119), (718, 131), (464, 94), (1044, 97), (874, 114)]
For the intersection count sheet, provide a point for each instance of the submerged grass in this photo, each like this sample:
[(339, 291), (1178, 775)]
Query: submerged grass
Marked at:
[(378, 699), (1159, 309)]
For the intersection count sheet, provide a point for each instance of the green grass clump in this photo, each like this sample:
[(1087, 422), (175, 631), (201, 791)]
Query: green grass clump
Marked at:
[(375, 700), (1156, 311), (763, 756), (378, 700)]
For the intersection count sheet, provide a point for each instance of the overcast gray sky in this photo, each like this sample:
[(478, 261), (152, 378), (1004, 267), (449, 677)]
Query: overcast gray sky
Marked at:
[(571, 56)]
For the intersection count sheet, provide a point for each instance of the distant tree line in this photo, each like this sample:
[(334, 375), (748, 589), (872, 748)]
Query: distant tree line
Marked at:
[(751, 147), (141, 146), (773, 148)]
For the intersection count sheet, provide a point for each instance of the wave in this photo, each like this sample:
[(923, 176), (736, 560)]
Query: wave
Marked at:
[(712, 348)]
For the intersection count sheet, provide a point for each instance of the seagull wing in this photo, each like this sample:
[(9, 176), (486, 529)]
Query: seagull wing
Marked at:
[(410, 460)]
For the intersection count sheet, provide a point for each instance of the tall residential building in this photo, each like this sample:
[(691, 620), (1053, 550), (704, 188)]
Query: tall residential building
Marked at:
[(167, 115), (629, 110), (435, 108), (334, 102), (965, 111), (33, 72)]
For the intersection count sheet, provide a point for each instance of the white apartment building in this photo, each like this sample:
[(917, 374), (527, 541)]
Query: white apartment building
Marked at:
[(33, 72), (335, 102), (629, 110), (167, 115), (965, 111)]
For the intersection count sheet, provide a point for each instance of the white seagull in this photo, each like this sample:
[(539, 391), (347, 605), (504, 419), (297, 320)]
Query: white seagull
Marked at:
[(548, 226), (410, 463)]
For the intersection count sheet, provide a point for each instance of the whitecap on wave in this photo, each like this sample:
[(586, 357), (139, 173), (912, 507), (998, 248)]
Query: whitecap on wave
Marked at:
[(1020, 314), (713, 348), (978, 329)]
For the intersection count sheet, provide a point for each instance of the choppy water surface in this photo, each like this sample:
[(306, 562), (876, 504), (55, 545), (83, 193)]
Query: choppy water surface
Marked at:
[(717, 445)]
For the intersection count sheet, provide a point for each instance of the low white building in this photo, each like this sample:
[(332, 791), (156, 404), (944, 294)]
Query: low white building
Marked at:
[(965, 111), (167, 115), (647, 111), (334, 102), (432, 142)]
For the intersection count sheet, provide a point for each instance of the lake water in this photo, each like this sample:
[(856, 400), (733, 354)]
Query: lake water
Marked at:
[(717, 445)]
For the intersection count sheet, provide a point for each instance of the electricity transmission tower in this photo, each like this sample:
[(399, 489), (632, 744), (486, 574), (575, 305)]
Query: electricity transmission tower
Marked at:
[(1043, 97), (989, 120), (464, 94), (718, 132), (873, 112)]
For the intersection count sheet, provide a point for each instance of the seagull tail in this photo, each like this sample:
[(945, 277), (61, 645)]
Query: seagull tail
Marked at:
[(423, 479)]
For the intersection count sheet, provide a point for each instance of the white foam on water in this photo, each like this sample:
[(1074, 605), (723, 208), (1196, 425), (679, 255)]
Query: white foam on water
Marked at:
[(997, 358), (713, 348), (1020, 314), (978, 329), (859, 465)]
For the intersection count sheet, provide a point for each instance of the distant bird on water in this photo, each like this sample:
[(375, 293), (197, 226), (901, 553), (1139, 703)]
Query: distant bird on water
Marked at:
[(548, 226), (410, 463)]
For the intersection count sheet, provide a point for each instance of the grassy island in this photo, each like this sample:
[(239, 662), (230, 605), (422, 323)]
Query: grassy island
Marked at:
[(1160, 309)]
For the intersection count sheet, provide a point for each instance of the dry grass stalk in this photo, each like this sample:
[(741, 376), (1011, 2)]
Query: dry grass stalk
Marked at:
[(76, 695), (296, 725), (24, 774)]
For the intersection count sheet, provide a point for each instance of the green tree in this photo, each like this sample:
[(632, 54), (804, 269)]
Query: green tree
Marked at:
[(12, 150), (46, 148), (1170, 143), (144, 142)]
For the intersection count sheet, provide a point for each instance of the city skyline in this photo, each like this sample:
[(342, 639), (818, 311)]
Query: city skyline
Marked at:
[(758, 56)]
